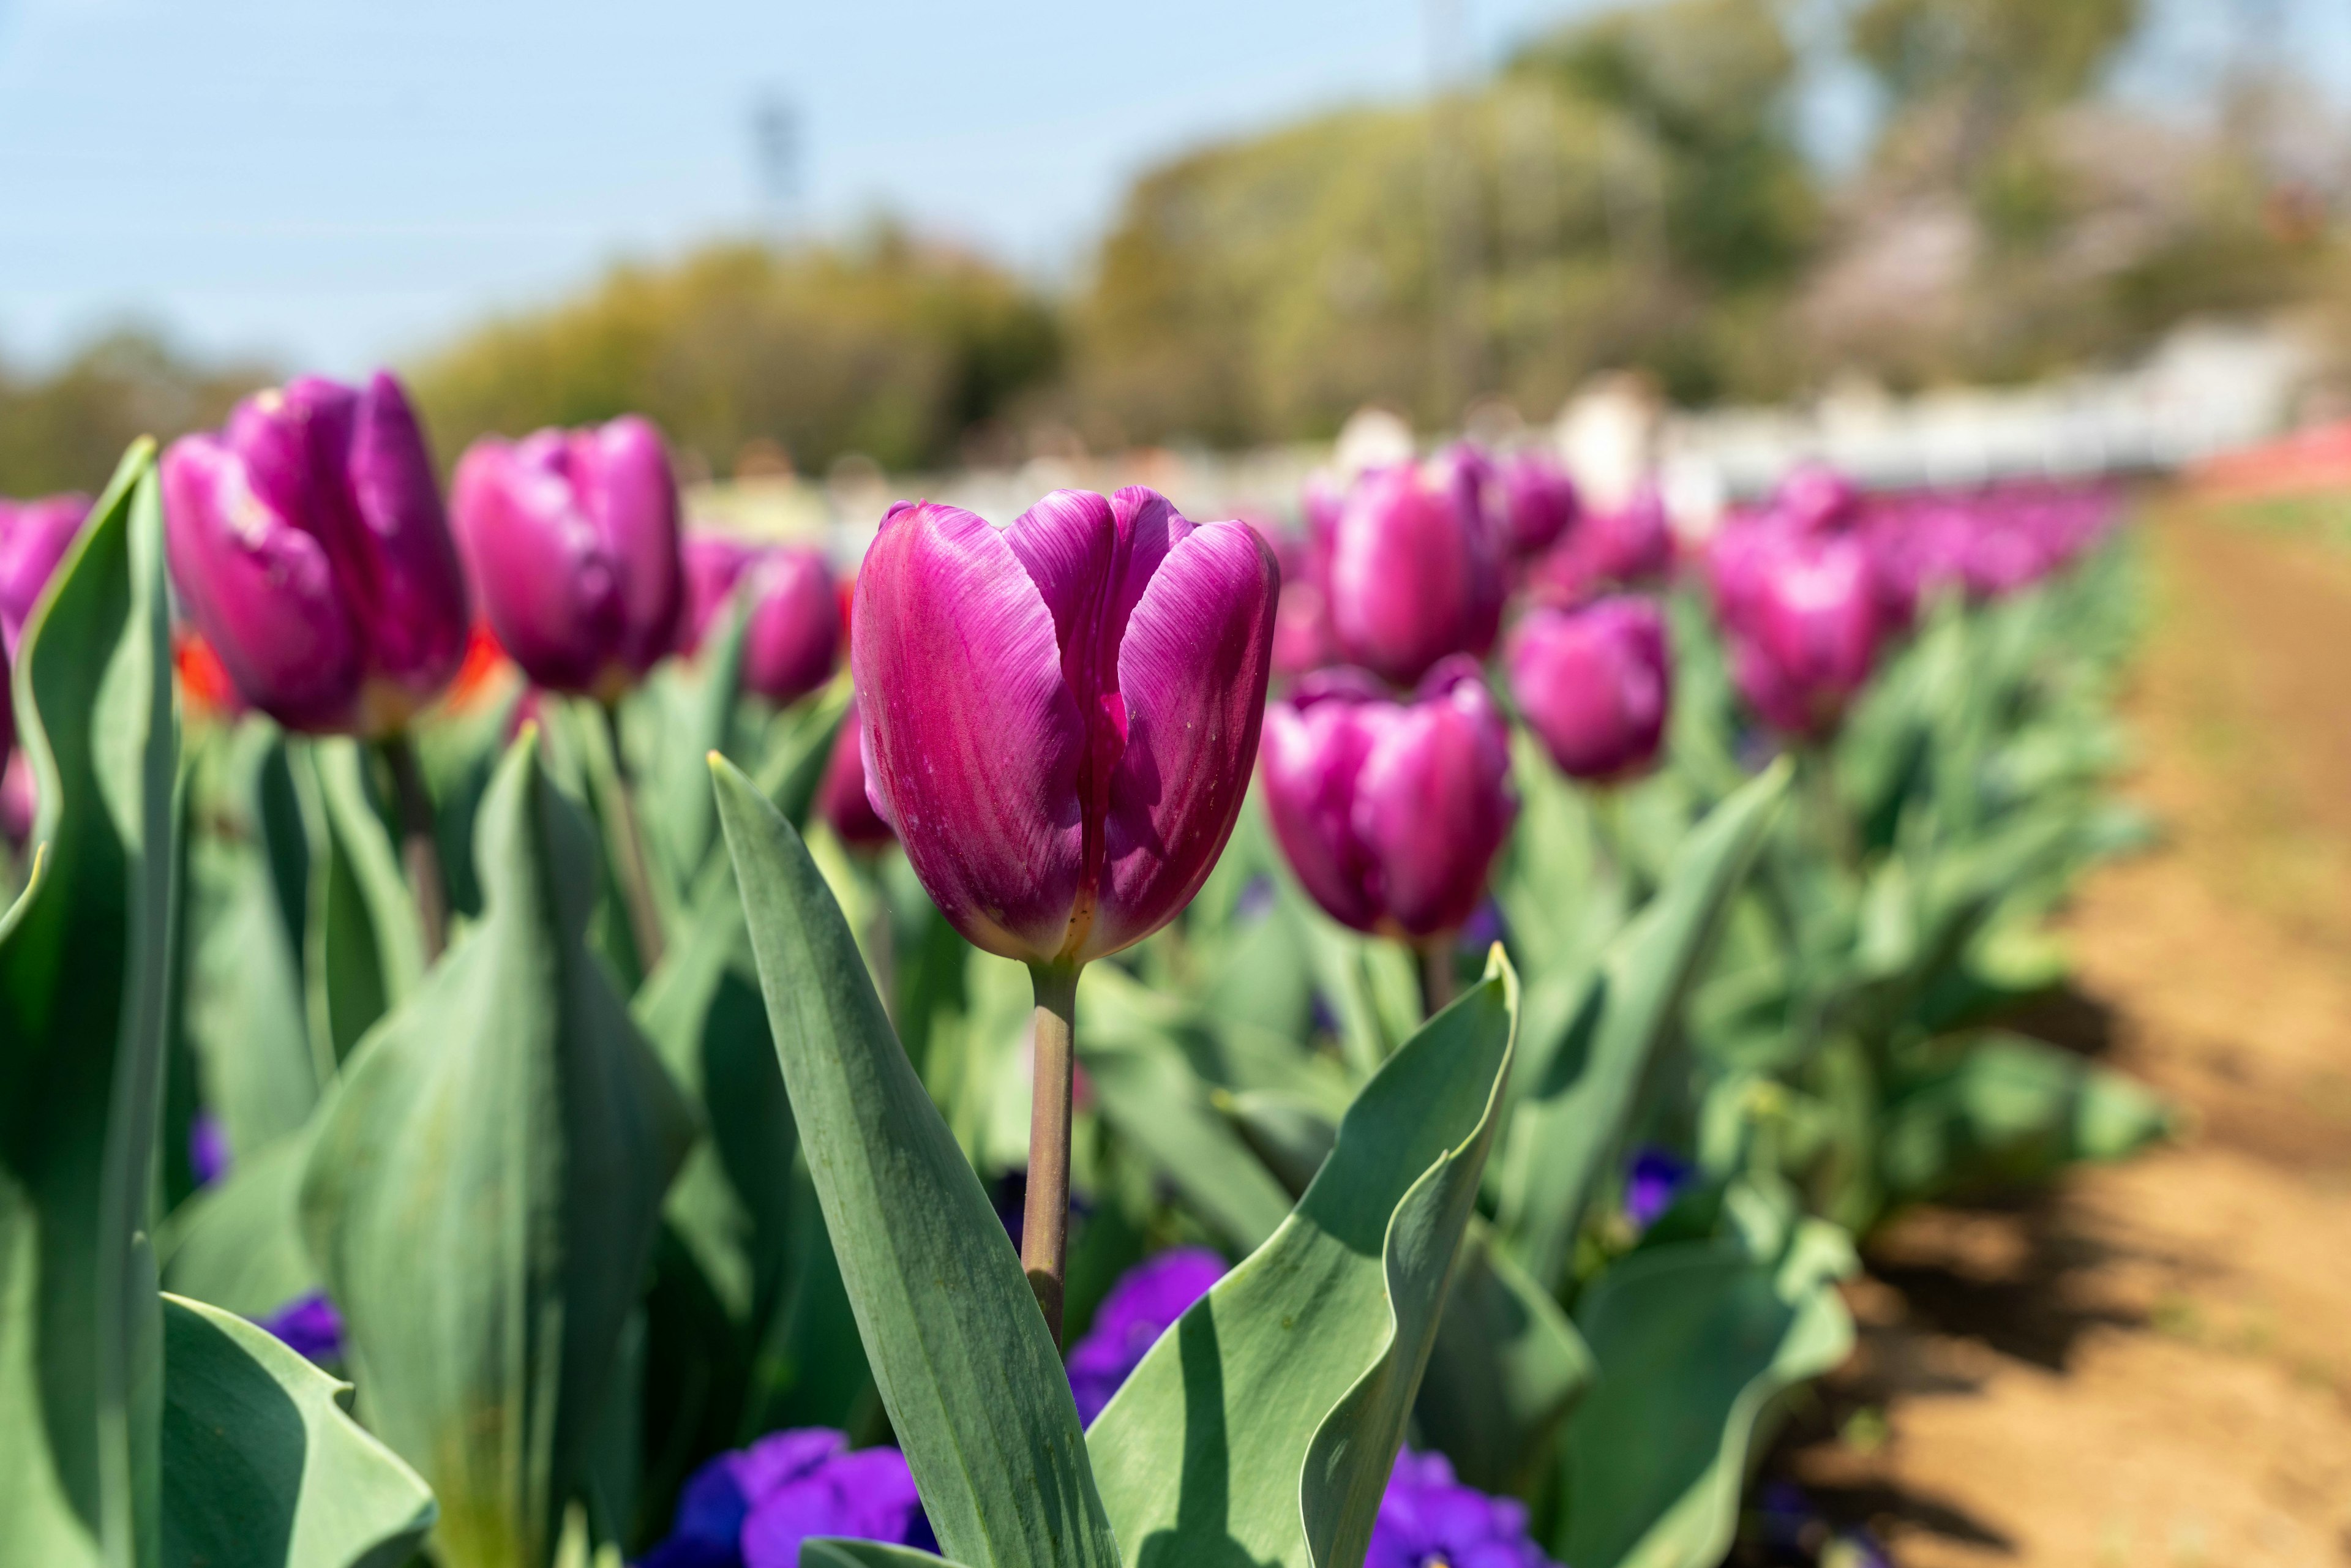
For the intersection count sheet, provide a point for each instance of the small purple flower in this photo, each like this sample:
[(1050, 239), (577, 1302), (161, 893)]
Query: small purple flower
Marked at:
[(310, 1325), (753, 1508), (1654, 1179), (1140, 1308), (207, 1148), (1428, 1520)]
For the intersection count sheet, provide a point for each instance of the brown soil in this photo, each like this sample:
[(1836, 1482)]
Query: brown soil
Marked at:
[(2151, 1363)]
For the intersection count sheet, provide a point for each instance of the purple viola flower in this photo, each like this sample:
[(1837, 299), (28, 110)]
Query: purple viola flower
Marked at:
[(1804, 618), (1390, 812), (1414, 569), (1653, 1180), (33, 537), (753, 1507), (1059, 716), (572, 537), (310, 1325), (1142, 1306), (1538, 500), (1428, 1520), (841, 796), (208, 1157), (1595, 684), (311, 548)]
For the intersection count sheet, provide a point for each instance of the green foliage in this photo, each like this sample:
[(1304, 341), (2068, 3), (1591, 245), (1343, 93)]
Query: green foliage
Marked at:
[(889, 346), (84, 986), (64, 430)]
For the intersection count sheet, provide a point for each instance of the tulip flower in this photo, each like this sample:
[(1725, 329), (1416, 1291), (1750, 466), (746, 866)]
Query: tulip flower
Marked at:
[(712, 562), (33, 537), (1606, 549), (1058, 723), (1814, 499), (309, 547), (573, 535), (1391, 812), (1538, 499), (1414, 568), (1595, 684), (841, 796), (793, 638), (1805, 621)]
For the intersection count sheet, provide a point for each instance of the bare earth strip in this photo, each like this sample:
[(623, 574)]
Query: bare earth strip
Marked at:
[(2152, 1363)]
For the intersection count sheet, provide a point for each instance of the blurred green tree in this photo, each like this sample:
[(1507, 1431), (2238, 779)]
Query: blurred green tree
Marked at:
[(66, 430)]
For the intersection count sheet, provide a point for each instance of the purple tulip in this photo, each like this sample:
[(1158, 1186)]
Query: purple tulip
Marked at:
[(1142, 1306), (793, 640), (1391, 812), (1632, 545), (1595, 684), (1814, 499), (1428, 1520), (753, 1507), (1538, 498), (573, 535), (1059, 716), (33, 537), (840, 796), (311, 551), (308, 1325), (712, 563), (1805, 621), (1415, 570)]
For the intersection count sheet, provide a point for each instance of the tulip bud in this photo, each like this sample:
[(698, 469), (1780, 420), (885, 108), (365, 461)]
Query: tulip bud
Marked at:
[(310, 546), (1415, 570), (842, 797), (1059, 718), (1538, 498), (1605, 550), (1391, 812), (34, 537), (1814, 499), (1595, 684), (712, 563), (1804, 626), (793, 640), (573, 535)]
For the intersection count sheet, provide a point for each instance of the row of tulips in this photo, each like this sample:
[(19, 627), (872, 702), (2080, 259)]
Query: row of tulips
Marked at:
[(1530, 1059)]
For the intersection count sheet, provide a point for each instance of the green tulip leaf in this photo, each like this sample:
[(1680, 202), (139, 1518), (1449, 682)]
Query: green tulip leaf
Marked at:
[(1263, 1427), (261, 1467), (1580, 1089), (966, 1369), (363, 953), (1693, 1342), (85, 977), (485, 1186), (686, 710), (1506, 1367), (238, 1244), (836, 1552)]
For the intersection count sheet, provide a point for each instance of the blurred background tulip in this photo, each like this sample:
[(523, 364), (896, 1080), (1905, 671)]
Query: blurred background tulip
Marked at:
[(1391, 812), (712, 563), (309, 547), (841, 796), (793, 641), (1630, 544), (1538, 499), (1804, 620), (1595, 684), (1414, 569), (572, 537), (1814, 499), (33, 537)]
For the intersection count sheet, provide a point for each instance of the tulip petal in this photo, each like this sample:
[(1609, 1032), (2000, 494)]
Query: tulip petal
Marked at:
[(973, 741), (1310, 763), (413, 601), (794, 636), (1192, 671), (261, 591), (623, 469), (1432, 803), (549, 586)]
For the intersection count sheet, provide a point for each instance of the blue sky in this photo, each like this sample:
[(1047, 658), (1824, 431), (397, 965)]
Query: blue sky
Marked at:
[(330, 183)]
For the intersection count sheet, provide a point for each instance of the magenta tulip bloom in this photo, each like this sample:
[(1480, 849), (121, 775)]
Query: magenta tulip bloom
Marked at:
[(1595, 684), (1814, 499), (841, 796), (1059, 716), (33, 537), (1804, 622), (1605, 550), (1415, 569), (793, 640), (1391, 812), (310, 546), (573, 535), (712, 562), (1538, 498)]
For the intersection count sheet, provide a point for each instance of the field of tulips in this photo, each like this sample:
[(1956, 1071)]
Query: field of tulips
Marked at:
[(534, 1035)]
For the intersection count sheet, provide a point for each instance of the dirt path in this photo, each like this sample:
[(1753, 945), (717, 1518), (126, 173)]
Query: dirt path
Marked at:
[(2152, 1363)]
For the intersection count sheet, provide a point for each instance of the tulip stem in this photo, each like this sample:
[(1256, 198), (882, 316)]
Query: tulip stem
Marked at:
[(1439, 983), (420, 849), (1045, 1207), (629, 852)]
